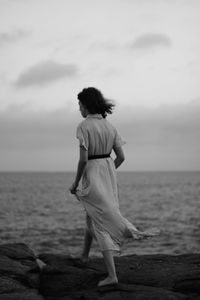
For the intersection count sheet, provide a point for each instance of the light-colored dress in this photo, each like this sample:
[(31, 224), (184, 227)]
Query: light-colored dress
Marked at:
[(99, 192)]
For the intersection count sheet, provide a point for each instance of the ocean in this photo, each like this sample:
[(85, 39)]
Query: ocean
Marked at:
[(37, 209)]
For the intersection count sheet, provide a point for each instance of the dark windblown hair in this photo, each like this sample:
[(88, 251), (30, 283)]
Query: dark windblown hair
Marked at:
[(95, 102)]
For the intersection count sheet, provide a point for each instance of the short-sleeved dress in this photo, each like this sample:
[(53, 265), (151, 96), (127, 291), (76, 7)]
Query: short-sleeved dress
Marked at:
[(99, 191)]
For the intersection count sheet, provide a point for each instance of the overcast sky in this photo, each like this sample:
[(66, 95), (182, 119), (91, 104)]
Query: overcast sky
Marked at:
[(143, 54)]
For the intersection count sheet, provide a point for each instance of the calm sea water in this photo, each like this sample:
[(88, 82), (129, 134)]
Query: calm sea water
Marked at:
[(37, 209)]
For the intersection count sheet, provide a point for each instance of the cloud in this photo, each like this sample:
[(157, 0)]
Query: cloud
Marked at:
[(38, 140), (44, 73), (165, 138), (24, 130), (151, 40), (12, 37)]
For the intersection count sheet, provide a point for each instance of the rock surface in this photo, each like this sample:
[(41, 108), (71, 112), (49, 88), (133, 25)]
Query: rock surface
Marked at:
[(142, 277), (19, 273)]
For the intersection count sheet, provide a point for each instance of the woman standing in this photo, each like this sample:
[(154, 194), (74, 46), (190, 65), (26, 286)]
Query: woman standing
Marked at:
[(99, 193)]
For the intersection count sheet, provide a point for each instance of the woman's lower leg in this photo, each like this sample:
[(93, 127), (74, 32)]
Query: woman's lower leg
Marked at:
[(87, 245), (110, 265)]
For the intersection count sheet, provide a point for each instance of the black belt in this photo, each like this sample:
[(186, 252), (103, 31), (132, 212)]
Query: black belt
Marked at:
[(98, 156)]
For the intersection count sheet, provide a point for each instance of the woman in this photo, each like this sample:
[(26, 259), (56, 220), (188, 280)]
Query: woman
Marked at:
[(99, 193)]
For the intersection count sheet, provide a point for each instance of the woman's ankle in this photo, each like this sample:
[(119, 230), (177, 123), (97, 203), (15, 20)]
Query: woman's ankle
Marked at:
[(108, 281), (113, 277), (84, 258)]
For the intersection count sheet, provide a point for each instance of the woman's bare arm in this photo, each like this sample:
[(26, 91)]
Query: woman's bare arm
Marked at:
[(119, 156), (83, 159)]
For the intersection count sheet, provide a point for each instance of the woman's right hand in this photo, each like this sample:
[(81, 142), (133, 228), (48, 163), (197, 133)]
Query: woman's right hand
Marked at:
[(73, 188)]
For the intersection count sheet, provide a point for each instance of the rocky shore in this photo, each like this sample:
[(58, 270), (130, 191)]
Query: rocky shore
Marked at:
[(23, 276)]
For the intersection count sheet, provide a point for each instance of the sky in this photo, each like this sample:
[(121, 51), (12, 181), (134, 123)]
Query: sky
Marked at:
[(142, 54)]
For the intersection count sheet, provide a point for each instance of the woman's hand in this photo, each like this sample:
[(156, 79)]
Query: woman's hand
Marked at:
[(80, 169), (73, 188)]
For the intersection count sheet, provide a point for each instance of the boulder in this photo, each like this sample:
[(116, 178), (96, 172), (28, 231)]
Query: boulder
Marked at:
[(19, 273), (142, 277), (49, 276)]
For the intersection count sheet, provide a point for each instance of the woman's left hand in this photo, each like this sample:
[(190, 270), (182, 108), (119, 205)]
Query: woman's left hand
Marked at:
[(73, 188)]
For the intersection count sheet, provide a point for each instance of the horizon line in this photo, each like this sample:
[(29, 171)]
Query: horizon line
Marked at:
[(119, 171)]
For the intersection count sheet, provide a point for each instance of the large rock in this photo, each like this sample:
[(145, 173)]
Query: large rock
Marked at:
[(141, 277), (152, 277), (19, 273)]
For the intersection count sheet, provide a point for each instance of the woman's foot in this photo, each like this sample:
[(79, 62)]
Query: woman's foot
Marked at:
[(108, 281), (81, 261), (84, 259)]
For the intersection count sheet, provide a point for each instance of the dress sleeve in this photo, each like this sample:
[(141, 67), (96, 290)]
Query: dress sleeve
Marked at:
[(118, 141), (82, 136)]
